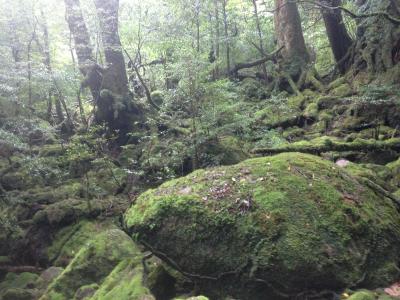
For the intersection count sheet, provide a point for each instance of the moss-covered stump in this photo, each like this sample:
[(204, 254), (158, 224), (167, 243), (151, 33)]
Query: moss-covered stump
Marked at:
[(288, 223), (106, 267)]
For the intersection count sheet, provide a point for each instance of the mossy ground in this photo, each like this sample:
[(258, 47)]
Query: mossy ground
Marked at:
[(289, 220)]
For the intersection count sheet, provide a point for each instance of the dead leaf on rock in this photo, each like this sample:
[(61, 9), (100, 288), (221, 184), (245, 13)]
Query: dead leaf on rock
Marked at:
[(185, 191), (393, 290)]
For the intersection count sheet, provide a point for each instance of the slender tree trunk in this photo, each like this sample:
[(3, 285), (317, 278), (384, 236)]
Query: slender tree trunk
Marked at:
[(59, 98), (197, 14), (290, 37), (217, 38), (30, 73), (49, 113), (260, 38), (227, 42), (59, 111), (84, 51), (339, 38)]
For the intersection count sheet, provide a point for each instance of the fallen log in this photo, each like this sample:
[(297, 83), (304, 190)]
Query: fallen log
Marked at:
[(21, 269), (333, 146)]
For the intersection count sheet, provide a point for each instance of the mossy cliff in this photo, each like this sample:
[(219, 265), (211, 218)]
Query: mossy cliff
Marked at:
[(281, 223)]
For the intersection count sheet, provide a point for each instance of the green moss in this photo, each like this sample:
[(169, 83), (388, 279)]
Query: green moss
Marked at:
[(157, 97), (284, 215), (343, 90), (362, 295), (252, 88), (337, 82), (68, 211), (226, 151), (293, 132), (51, 150), (4, 260), (93, 263), (70, 239), (311, 111), (192, 298), (18, 294), (125, 282), (296, 102), (18, 281), (394, 167)]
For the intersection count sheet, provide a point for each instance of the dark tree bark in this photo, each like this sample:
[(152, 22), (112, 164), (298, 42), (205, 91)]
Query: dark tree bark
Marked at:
[(290, 36), (339, 38)]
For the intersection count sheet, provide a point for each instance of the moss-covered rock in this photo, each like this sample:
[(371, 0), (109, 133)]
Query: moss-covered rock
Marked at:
[(125, 282), (395, 172), (111, 260), (68, 241), (68, 211), (290, 221), (21, 281), (47, 276), (18, 294), (343, 90), (311, 111), (18, 286), (161, 283)]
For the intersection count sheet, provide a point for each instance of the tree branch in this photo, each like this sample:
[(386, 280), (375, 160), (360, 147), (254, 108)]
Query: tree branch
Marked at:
[(255, 63), (353, 15)]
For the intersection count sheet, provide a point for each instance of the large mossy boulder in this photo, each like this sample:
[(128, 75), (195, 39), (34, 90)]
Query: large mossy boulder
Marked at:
[(287, 223)]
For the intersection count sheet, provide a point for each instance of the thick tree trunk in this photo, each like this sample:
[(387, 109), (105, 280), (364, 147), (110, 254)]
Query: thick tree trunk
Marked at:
[(290, 36), (378, 39), (339, 38), (115, 106)]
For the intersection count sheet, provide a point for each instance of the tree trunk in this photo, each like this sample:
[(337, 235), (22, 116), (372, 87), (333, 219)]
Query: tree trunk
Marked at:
[(115, 106), (227, 42), (217, 39), (377, 48), (339, 38), (290, 36), (260, 38), (66, 126), (84, 51)]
